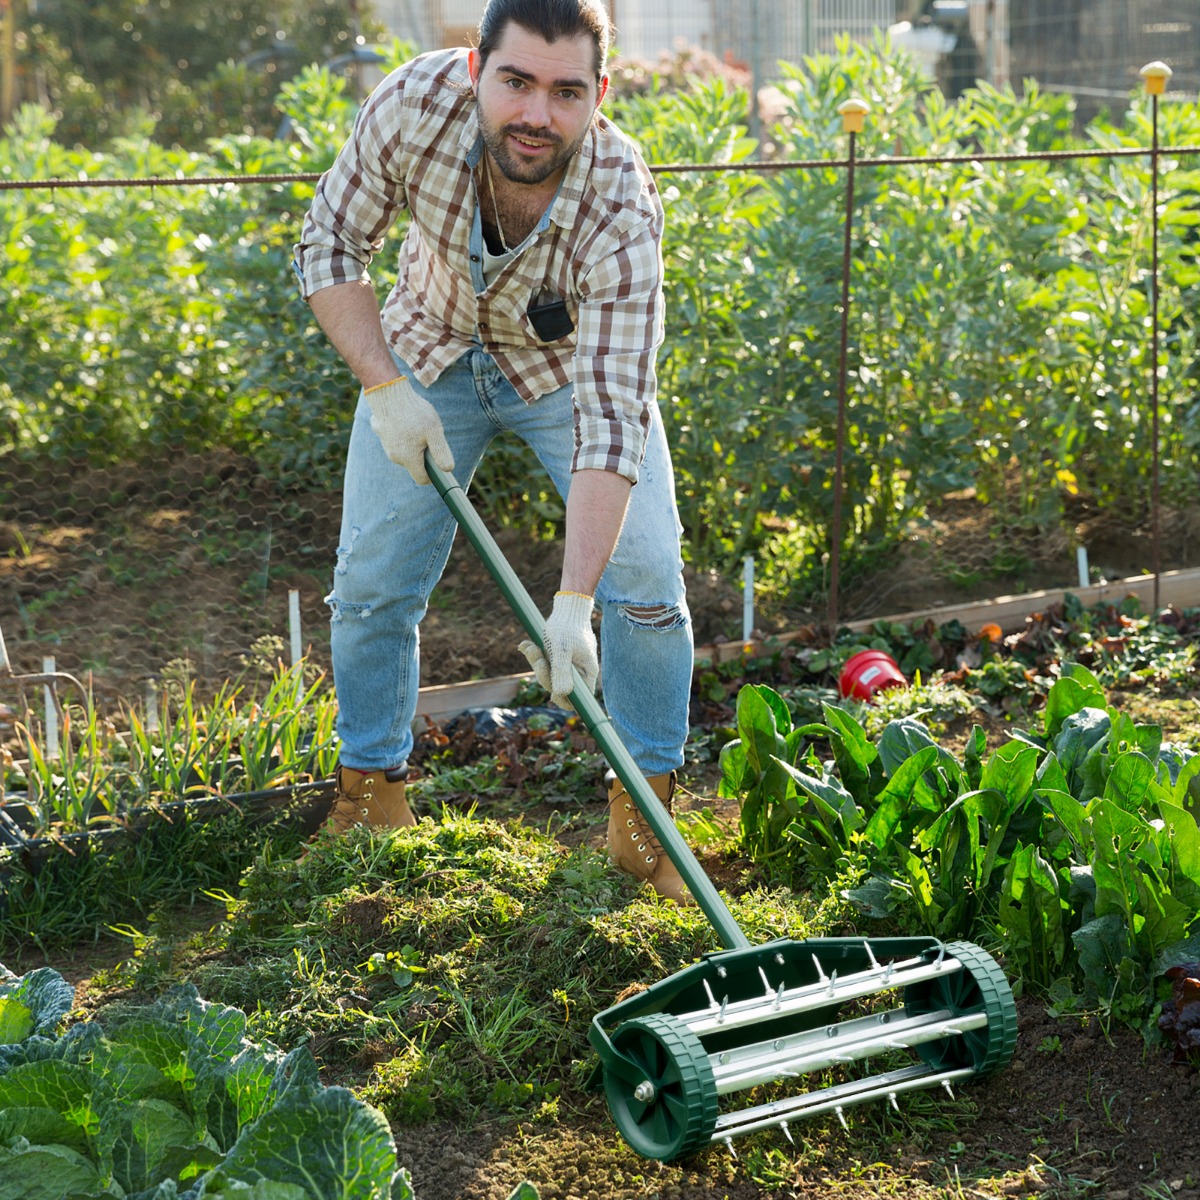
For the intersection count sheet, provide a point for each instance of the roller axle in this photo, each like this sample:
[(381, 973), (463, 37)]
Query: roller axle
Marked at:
[(835, 1045)]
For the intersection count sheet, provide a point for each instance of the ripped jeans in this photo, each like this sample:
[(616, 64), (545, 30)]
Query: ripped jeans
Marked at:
[(395, 542)]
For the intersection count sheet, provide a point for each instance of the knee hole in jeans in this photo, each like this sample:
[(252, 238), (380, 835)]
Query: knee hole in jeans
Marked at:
[(663, 617)]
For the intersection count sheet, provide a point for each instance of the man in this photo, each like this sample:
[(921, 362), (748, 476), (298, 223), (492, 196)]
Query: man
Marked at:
[(528, 300)]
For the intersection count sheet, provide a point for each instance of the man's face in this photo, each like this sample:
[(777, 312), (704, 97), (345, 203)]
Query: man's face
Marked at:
[(536, 101)]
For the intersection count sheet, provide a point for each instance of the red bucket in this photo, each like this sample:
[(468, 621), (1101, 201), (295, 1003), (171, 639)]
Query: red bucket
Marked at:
[(869, 672)]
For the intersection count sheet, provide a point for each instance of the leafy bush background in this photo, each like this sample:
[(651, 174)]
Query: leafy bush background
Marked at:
[(999, 335)]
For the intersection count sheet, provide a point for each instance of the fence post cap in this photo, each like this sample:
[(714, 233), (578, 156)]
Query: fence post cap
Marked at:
[(853, 113), (1156, 75)]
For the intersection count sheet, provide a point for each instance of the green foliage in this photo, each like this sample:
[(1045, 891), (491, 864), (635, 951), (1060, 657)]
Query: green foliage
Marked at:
[(190, 72), (468, 957), (995, 309), (1078, 849), (235, 744), (998, 335), (173, 1096)]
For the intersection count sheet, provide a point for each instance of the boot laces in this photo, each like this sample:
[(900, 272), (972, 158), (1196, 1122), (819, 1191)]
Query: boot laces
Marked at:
[(349, 810), (642, 833)]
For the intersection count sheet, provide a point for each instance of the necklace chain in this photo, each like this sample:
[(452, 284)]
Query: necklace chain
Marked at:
[(487, 174)]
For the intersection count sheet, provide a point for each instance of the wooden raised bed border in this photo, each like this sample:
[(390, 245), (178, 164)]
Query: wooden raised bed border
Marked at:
[(1181, 588)]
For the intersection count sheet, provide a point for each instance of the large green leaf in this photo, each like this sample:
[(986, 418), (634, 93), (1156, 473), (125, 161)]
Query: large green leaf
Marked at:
[(44, 996), (325, 1140), (16, 1020), (1069, 695), (1031, 916), (759, 725), (854, 753), (905, 793), (1132, 783), (29, 1172), (153, 1139), (1104, 950)]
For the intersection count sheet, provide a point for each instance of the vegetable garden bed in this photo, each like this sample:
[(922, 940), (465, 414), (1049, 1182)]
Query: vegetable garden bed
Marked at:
[(447, 974)]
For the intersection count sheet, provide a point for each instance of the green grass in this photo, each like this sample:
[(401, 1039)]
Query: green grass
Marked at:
[(451, 968)]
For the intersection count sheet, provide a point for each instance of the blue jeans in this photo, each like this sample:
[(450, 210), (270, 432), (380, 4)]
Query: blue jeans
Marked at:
[(395, 541)]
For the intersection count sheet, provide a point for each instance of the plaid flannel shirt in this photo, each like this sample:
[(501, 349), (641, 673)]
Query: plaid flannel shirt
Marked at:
[(414, 145)]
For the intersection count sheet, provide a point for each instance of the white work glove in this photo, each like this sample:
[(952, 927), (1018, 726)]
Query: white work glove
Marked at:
[(406, 424), (569, 642)]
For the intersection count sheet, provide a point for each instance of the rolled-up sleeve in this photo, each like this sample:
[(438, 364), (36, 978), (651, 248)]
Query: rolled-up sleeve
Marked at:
[(619, 331), (358, 198)]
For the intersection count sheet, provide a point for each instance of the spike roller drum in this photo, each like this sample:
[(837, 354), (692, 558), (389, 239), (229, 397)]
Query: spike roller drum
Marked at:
[(679, 1058), (680, 1062)]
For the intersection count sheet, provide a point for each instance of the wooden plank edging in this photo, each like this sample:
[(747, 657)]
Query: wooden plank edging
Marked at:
[(1181, 588)]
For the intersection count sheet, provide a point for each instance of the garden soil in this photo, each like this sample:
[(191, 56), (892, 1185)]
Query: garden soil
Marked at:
[(1084, 1110), (128, 576)]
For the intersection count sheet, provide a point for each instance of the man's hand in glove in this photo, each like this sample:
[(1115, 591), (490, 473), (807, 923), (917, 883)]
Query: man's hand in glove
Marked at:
[(569, 643), (406, 424)]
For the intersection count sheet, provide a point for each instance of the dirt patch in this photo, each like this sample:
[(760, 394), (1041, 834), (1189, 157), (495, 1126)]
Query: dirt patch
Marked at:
[(1082, 1111), (120, 574)]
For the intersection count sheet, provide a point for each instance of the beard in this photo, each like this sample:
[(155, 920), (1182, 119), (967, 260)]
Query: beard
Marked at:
[(517, 169)]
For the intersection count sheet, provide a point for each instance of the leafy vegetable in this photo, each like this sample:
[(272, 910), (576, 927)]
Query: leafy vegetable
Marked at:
[(172, 1102), (1077, 848)]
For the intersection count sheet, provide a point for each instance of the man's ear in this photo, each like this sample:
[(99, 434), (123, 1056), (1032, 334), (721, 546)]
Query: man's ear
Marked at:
[(602, 91), (474, 66)]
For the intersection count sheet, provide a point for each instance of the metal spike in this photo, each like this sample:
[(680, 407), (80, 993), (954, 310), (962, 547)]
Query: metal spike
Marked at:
[(888, 970), (766, 981), (721, 1014), (937, 963), (950, 1029), (949, 1089), (778, 997), (832, 982), (841, 1116), (892, 1101), (820, 974), (787, 1133), (729, 1144), (712, 1000), (871, 954), (896, 1044)]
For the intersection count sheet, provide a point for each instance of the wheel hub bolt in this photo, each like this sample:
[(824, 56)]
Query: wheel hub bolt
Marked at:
[(644, 1092)]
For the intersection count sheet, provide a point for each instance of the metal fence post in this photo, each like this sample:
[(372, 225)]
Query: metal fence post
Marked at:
[(1156, 75), (854, 113)]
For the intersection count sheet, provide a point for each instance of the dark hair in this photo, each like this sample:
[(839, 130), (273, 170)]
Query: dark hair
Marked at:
[(549, 19)]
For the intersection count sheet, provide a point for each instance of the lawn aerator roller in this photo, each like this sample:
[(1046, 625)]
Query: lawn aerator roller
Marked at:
[(746, 1016)]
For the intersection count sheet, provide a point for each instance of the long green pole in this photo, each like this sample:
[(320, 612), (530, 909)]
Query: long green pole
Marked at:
[(593, 716)]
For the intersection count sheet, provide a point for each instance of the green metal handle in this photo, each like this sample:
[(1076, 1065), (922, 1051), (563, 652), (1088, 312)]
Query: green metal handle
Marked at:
[(593, 716)]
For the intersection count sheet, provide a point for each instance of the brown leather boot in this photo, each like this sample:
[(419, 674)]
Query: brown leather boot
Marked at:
[(367, 798), (632, 845)]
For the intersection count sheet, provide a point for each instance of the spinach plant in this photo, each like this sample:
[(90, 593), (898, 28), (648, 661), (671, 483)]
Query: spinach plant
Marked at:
[(1075, 847)]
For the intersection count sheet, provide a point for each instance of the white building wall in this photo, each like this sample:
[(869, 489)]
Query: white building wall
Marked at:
[(783, 29)]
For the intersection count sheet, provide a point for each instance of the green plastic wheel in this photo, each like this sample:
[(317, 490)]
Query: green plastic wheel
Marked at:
[(980, 986), (660, 1089)]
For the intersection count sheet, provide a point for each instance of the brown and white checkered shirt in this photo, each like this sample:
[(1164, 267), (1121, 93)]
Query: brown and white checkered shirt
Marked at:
[(414, 145)]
